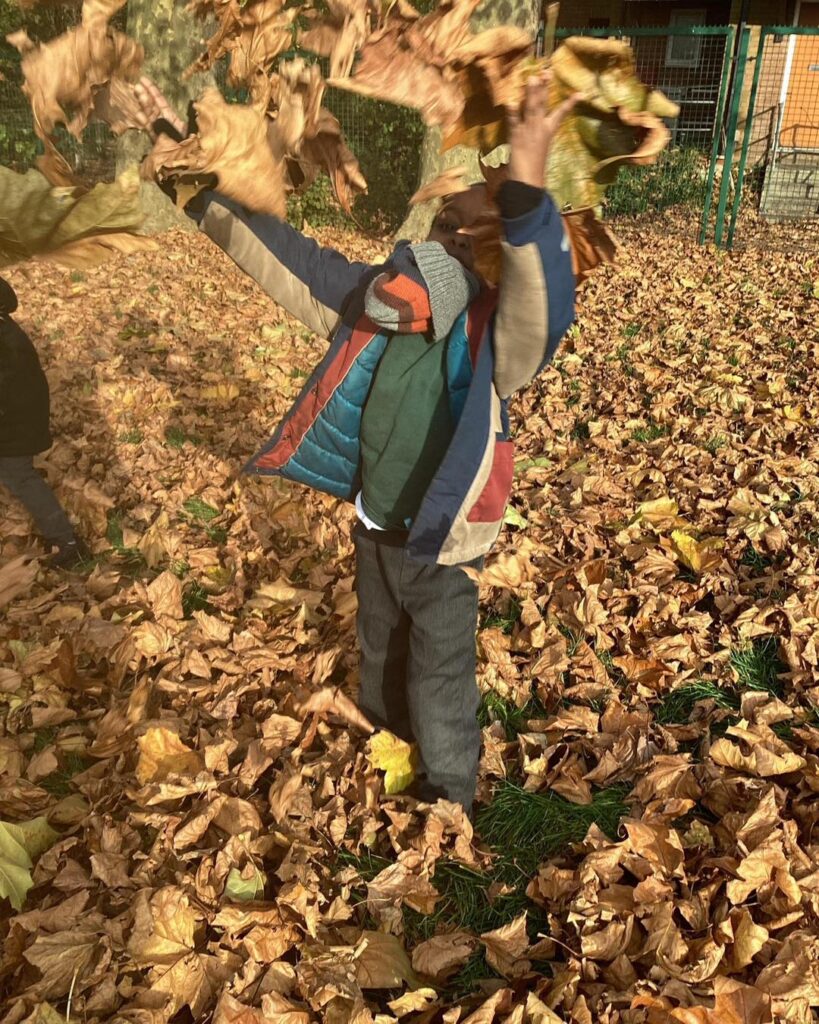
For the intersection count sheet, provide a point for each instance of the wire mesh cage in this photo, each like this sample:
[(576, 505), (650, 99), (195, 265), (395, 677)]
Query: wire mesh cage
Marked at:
[(777, 177)]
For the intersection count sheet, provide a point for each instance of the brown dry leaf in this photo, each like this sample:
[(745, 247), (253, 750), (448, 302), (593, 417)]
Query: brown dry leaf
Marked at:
[(447, 183), (253, 33), (735, 1004), (231, 143), (164, 927), (442, 955), (307, 136), (338, 32), (382, 962), (506, 948), (329, 701), (62, 959), (16, 577), (165, 595), (162, 755), (68, 72)]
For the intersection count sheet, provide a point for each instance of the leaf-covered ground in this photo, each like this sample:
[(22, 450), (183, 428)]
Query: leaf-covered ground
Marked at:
[(646, 850)]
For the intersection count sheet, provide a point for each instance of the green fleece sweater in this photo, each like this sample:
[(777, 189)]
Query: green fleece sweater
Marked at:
[(406, 429)]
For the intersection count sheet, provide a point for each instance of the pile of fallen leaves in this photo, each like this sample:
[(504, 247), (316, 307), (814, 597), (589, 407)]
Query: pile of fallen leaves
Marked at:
[(211, 837)]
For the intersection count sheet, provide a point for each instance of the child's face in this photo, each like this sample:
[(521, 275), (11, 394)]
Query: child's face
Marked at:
[(458, 213)]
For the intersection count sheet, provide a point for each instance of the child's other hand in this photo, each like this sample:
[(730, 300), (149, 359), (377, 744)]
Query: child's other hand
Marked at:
[(154, 107), (532, 130)]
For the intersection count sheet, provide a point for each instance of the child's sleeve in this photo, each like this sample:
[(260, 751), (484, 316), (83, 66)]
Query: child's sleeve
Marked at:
[(536, 303), (312, 283)]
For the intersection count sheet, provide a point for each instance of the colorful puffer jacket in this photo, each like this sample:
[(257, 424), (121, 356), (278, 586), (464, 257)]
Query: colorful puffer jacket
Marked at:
[(496, 347)]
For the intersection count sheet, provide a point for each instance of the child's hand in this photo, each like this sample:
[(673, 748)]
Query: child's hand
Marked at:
[(154, 107), (531, 130)]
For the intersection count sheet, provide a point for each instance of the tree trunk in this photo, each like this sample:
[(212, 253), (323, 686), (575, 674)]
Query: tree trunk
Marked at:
[(521, 13), (172, 41)]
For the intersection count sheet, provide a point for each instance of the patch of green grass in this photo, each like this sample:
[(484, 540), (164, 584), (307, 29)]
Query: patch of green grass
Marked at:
[(623, 356), (784, 730), (131, 437), (195, 599), (755, 560), (580, 431), (77, 276), (44, 738), (132, 556), (676, 707), (505, 621), (200, 510), (58, 784), (616, 674), (649, 433), (494, 708), (573, 640), (758, 665), (531, 827), (176, 437), (631, 330), (715, 442), (469, 977)]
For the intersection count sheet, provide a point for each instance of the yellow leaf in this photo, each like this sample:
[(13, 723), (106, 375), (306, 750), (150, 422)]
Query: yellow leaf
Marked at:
[(220, 392), (394, 757), (697, 555), (794, 413), (162, 754), (658, 510)]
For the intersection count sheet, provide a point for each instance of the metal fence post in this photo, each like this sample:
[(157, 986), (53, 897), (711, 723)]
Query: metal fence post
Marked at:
[(718, 118), (746, 137), (730, 142)]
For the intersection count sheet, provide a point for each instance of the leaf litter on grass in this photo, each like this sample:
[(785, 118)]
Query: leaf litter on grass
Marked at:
[(644, 848)]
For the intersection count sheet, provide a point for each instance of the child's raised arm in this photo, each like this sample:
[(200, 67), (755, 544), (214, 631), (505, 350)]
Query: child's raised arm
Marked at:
[(311, 282), (536, 303)]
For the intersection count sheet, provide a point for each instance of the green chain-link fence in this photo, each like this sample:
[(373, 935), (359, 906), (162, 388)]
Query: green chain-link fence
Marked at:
[(775, 185)]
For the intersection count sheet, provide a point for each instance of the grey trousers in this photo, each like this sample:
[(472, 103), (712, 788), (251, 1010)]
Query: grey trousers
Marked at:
[(18, 475), (416, 630)]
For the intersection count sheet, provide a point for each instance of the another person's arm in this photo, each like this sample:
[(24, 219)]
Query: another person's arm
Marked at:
[(536, 303)]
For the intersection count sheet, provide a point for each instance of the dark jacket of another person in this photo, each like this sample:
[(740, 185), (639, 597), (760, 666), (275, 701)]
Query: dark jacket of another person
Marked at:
[(24, 400)]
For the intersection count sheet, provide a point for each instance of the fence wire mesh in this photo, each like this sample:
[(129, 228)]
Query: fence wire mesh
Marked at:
[(776, 182)]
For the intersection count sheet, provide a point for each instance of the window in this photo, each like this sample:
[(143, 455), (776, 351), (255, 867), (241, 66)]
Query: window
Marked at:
[(683, 51)]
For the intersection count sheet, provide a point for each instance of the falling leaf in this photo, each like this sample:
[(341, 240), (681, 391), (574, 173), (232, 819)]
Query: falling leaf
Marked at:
[(230, 143)]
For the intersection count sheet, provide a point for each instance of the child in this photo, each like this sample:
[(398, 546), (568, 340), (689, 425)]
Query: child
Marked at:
[(406, 417), (24, 432)]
